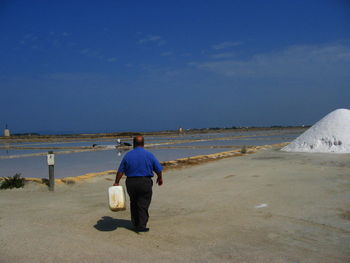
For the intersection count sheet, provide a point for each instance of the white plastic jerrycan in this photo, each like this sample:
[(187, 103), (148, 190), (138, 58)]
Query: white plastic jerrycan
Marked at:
[(116, 198)]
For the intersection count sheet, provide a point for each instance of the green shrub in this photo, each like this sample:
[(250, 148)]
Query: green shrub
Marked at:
[(12, 182), (244, 149)]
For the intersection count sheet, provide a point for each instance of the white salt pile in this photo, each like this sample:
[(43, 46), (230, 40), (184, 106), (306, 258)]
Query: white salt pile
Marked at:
[(329, 135)]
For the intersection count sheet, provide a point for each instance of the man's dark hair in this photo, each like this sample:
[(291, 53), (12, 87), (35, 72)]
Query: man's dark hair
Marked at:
[(139, 141)]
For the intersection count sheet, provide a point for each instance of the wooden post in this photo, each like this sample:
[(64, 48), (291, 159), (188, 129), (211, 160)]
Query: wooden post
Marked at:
[(51, 164)]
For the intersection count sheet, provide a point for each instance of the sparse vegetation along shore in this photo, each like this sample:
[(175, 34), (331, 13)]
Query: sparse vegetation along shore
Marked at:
[(10, 182)]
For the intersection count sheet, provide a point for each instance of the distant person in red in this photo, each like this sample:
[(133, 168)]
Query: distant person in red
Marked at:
[(138, 165)]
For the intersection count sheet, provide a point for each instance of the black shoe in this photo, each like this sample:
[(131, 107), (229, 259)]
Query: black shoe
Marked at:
[(141, 229)]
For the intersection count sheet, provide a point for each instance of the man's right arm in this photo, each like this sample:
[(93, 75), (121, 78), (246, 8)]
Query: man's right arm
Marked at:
[(120, 172), (117, 178)]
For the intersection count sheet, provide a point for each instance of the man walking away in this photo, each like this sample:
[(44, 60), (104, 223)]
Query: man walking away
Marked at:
[(138, 165)]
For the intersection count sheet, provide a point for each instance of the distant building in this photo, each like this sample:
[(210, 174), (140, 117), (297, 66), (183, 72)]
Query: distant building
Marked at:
[(6, 132)]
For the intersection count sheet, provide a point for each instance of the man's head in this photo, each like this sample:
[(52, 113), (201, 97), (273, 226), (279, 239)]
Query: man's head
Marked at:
[(139, 141)]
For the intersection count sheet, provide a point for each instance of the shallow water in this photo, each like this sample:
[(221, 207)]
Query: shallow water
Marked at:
[(74, 164), (86, 162)]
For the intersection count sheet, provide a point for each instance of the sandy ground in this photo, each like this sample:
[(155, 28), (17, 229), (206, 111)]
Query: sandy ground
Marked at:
[(204, 213)]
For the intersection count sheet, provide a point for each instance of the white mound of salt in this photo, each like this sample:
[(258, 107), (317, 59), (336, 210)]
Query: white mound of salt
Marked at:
[(329, 135)]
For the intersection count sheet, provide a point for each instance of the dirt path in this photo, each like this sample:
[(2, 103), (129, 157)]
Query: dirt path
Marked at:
[(267, 207)]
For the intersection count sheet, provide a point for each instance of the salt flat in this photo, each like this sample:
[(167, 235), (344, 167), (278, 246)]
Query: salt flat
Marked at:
[(270, 206)]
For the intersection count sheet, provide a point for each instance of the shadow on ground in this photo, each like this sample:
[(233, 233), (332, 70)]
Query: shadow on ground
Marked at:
[(107, 223)]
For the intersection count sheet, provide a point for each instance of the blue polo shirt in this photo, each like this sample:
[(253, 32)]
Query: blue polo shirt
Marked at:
[(139, 162)]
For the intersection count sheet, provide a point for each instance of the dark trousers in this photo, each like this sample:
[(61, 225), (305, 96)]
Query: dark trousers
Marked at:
[(140, 193)]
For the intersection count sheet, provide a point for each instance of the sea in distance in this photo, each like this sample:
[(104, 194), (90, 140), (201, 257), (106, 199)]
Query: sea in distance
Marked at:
[(78, 157)]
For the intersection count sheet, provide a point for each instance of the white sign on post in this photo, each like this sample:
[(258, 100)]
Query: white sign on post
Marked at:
[(51, 159)]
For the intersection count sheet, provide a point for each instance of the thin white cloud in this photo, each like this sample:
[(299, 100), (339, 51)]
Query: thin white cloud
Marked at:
[(226, 44), (222, 55), (166, 54), (91, 53), (294, 61), (32, 42), (111, 59), (186, 54), (68, 76), (152, 39), (84, 51), (27, 36), (57, 43)]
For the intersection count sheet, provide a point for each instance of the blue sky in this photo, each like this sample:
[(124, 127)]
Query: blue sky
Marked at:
[(97, 66)]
